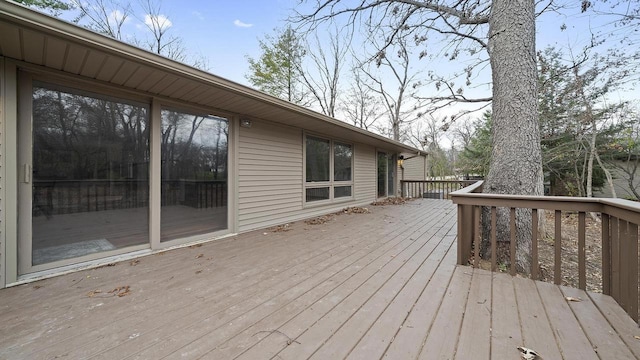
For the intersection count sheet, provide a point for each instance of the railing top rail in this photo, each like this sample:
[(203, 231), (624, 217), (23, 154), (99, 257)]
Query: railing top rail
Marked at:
[(625, 209), (440, 181)]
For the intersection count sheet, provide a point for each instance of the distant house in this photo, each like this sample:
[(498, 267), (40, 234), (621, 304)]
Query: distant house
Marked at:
[(109, 151)]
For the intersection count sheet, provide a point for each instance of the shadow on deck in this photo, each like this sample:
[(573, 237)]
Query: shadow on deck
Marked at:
[(360, 286)]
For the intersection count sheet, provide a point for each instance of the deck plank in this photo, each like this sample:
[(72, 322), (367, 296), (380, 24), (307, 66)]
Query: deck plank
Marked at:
[(368, 286), (602, 336), (441, 344), (408, 341), (475, 334), (571, 338), (534, 323), (506, 334), (625, 327)]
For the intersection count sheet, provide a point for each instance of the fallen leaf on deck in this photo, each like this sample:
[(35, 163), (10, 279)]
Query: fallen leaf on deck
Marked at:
[(199, 256), (637, 337), (134, 262), (528, 354), (121, 291), (93, 293), (195, 246), (281, 228), (198, 271), (569, 298)]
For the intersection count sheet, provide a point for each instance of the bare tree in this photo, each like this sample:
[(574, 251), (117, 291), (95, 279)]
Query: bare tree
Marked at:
[(505, 29), (104, 16), (322, 69), (392, 78), (360, 106)]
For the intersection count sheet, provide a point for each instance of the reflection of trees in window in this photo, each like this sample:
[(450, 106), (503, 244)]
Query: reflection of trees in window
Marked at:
[(342, 154), (193, 146), (83, 137), (317, 159)]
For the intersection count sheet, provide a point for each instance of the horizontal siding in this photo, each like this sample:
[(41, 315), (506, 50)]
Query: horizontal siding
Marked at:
[(269, 174), (270, 177), (364, 173), (414, 168)]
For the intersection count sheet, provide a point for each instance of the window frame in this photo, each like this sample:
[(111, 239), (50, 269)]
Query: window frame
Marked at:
[(331, 183)]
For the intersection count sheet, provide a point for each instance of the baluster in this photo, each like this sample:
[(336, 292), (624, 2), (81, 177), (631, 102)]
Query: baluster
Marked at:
[(624, 265), (478, 234), (582, 272), (534, 244), (512, 243), (606, 255), (494, 246), (632, 255), (557, 265), (615, 257)]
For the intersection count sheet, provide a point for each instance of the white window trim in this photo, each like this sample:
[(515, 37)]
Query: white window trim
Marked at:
[(331, 184)]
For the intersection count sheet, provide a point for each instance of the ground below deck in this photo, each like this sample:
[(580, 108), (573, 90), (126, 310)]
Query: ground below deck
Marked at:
[(358, 286)]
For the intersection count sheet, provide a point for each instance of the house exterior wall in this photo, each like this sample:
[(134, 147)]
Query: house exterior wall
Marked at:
[(415, 168), (619, 183), (270, 177)]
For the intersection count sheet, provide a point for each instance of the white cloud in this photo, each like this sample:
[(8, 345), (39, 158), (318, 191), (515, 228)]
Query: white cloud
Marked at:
[(239, 23), (157, 21), (117, 17), (198, 15)]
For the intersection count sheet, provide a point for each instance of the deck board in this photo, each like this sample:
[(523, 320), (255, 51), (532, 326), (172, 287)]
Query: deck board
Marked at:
[(361, 286)]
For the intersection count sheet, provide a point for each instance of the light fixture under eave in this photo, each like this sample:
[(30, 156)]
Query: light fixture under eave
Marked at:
[(245, 123), (401, 161)]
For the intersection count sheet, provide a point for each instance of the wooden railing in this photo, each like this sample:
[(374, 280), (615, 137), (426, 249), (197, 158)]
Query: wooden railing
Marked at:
[(619, 221), (432, 189), (73, 196)]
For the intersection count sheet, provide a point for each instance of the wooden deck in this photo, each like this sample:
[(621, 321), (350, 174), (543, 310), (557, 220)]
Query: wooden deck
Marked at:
[(360, 286)]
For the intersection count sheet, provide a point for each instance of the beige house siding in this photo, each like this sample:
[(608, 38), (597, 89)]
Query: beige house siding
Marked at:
[(270, 177), (269, 173), (620, 183), (365, 174), (414, 168)]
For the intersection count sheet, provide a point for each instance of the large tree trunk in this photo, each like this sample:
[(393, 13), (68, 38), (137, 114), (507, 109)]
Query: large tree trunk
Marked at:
[(516, 160)]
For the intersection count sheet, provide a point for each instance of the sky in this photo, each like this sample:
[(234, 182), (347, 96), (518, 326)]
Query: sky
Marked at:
[(225, 32)]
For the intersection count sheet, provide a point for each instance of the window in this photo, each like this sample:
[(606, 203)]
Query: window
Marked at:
[(194, 174), (328, 170)]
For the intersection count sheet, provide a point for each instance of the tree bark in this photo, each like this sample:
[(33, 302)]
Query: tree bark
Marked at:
[(516, 160)]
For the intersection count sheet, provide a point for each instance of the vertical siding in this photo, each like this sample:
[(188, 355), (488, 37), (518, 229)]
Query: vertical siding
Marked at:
[(364, 177), (270, 177)]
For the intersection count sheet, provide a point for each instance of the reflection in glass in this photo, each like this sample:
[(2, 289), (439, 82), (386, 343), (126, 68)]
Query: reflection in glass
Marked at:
[(317, 194), (342, 191), (317, 159), (194, 174), (391, 188), (342, 155), (382, 174), (90, 174)]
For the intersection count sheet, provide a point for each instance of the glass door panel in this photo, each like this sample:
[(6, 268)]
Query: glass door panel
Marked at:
[(382, 174), (194, 174), (90, 179)]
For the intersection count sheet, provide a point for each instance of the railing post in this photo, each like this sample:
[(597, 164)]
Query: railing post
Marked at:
[(606, 255), (465, 233)]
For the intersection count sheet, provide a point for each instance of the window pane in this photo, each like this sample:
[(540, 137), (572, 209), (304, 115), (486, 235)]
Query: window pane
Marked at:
[(382, 174), (317, 194), (90, 174), (342, 155), (391, 188), (317, 159), (194, 174), (342, 191)]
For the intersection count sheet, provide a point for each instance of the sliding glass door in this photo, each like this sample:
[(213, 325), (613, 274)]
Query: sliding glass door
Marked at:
[(86, 176)]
